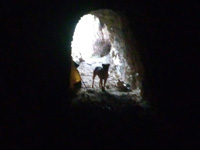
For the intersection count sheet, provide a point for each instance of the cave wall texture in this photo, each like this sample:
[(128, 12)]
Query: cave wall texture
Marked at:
[(123, 49)]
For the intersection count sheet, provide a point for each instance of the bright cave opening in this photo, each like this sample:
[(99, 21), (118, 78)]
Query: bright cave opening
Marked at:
[(104, 37)]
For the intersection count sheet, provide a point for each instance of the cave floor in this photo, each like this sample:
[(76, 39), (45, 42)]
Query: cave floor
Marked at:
[(105, 115), (102, 115), (110, 114), (109, 99)]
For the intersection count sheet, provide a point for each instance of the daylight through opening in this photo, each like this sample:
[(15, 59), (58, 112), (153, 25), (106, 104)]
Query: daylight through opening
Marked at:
[(103, 37)]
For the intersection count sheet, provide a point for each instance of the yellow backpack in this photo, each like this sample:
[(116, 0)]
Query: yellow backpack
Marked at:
[(74, 75)]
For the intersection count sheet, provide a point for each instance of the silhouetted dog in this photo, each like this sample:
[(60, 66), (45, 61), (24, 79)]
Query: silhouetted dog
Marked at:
[(102, 73)]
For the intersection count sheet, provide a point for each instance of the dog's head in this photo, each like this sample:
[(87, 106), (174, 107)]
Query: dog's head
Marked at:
[(105, 66)]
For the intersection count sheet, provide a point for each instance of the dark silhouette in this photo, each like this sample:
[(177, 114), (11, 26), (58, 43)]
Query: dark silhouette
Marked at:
[(102, 73)]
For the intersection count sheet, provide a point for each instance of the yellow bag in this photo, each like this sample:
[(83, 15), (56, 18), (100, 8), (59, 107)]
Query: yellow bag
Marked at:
[(74, 76)]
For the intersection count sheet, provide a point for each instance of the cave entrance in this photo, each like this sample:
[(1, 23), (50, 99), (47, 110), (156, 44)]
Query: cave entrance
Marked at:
[(103, 37)]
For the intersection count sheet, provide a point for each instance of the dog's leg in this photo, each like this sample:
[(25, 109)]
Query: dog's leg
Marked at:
[(105, 82), (93, 80), (93, 83), (100, 83)]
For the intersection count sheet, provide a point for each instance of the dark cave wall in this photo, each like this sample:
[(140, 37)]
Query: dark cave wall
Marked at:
[(36, 66), (38, 34), (43, 44)]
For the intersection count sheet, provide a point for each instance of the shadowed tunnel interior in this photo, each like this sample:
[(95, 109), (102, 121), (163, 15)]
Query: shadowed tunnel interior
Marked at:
[(36, 106)]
